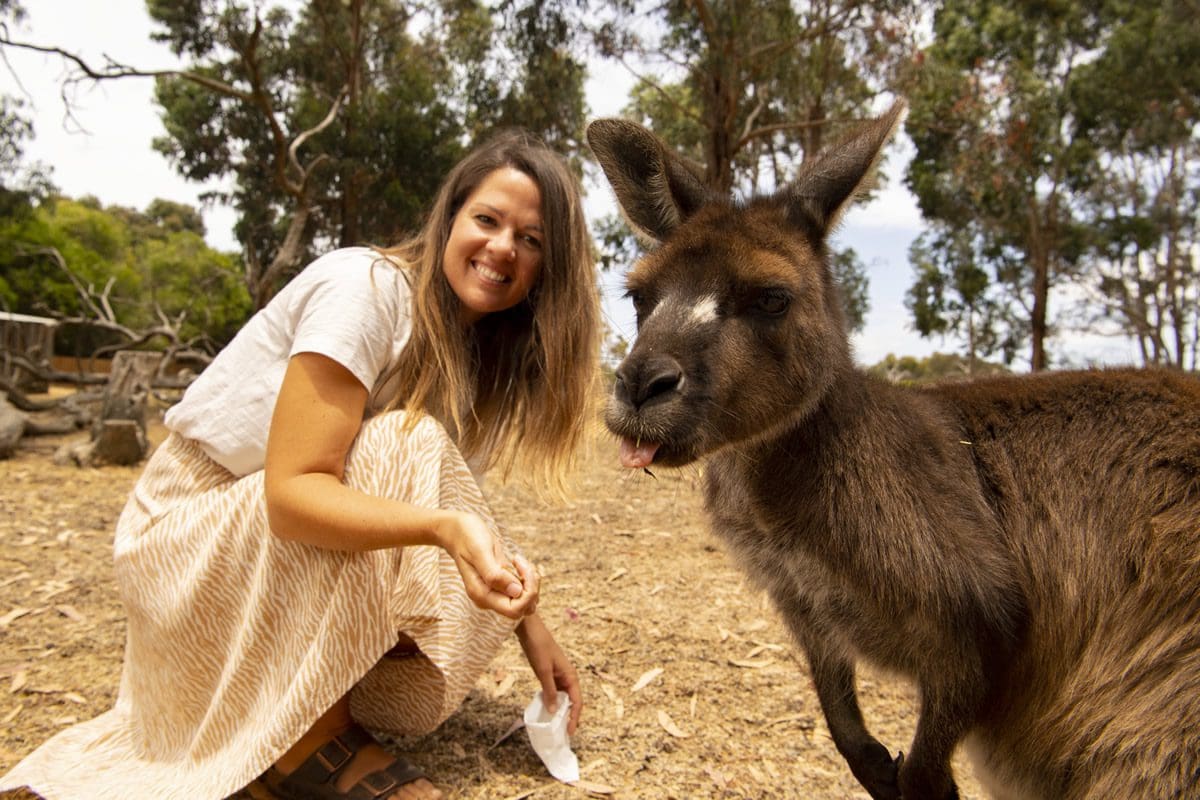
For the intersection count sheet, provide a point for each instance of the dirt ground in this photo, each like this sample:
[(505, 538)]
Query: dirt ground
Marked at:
[(692, 689)]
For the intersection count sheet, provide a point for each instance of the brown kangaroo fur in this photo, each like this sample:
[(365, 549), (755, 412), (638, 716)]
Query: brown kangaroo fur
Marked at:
[(1026, 549)]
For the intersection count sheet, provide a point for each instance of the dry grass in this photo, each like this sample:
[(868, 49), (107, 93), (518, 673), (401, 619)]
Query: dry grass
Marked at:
[(634, 584)]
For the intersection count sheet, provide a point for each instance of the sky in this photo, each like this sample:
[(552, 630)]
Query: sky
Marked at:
[(104, 150)]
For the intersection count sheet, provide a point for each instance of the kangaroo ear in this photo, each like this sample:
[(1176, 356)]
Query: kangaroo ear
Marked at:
[(656, 188), (826, 185)]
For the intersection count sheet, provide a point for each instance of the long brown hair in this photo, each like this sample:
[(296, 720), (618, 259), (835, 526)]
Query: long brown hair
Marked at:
[(521, 376)]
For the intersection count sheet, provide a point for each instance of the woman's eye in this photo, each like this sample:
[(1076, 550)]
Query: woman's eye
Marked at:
[(484, 219), (533, 242), (772, 301)]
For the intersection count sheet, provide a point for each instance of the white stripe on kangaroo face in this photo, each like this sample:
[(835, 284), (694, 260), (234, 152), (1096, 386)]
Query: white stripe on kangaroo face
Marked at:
[(705, 310), (674, 308)]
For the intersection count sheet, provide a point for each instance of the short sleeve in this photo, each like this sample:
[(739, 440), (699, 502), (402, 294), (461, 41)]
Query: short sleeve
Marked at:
[(354, 312)]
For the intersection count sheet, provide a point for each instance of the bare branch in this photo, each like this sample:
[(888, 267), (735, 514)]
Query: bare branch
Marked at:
[(657, 87), (768, 130), (750, 119), (51, 375), (114, 70), (320, 126)]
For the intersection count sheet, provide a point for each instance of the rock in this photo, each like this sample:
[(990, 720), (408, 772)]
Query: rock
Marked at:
[(12, 427)]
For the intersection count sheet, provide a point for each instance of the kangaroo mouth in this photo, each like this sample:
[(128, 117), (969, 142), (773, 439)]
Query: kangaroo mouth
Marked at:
[(637, 454)]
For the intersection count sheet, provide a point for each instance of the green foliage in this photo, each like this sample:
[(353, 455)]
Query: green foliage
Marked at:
[(934, 367), (143, 264), (1042, 131), (1141, 106), (953, 293), (22, 185), (748, 88), (851, 277)]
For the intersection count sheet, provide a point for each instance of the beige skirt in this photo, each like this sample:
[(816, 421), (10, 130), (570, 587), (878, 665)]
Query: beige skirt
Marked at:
[(238, 641)]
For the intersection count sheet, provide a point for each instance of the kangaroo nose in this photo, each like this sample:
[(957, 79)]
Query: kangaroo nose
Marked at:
[(641, 381)]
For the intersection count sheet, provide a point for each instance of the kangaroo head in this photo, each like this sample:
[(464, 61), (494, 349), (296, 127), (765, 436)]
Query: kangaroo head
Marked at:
[(740, 323)]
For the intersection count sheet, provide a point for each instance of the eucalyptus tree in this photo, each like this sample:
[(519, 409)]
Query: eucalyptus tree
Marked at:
[(1140, 102), (1051, 140)]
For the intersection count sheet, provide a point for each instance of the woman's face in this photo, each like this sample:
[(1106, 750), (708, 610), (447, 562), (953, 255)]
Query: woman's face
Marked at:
[(494, 253)]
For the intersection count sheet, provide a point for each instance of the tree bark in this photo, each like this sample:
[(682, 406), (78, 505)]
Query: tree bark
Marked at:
[(119, 434)]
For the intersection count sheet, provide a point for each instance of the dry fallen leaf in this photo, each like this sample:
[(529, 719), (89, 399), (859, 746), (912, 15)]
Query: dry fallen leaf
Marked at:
[(669, 725), (766, 662), (504, 686), (618, 706), (70, 613), (516, 726), (75, 698), (10, 716), (646, 679), (524, 794), (19, 679), (619, 572), (593, 788), (15, 614)]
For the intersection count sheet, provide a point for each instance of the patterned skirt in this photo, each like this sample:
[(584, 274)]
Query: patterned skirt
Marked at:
[(238, 640)]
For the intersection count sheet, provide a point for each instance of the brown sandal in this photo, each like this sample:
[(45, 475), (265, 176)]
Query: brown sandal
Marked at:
[(315, 779)]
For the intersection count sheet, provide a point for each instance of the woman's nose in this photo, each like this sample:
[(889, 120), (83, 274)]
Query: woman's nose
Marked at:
[(504, 243)]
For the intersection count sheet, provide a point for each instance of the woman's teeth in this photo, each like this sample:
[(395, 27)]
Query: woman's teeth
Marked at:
[(490, 274)]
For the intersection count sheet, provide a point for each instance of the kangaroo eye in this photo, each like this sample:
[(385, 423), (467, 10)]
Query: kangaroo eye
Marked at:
[(772, 301), (641, 305)]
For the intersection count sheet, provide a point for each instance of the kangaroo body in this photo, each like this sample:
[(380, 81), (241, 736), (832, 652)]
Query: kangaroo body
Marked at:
[(1026, 549)]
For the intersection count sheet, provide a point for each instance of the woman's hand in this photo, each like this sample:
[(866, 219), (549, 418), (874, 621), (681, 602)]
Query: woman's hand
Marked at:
[(551, 666), (495, 582)]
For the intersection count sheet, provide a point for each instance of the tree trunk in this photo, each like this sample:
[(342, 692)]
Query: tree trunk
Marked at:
[(1037, 321), (119, 434)]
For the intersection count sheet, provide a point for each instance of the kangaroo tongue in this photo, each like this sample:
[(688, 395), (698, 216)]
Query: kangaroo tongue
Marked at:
[(636, 455)]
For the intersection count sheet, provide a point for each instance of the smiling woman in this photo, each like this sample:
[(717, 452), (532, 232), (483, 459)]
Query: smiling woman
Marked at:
[(309, 551)]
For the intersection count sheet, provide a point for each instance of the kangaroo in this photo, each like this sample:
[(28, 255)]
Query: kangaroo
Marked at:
[(1026, 549)]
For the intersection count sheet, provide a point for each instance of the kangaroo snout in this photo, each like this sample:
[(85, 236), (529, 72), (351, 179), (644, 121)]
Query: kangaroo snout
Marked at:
[(645, 381)]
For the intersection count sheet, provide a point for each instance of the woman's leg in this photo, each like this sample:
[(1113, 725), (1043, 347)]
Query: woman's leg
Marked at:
[(411, 688), (370, 758)]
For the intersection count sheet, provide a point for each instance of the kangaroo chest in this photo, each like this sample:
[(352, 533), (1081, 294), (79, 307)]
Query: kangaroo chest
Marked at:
[(780, 548)]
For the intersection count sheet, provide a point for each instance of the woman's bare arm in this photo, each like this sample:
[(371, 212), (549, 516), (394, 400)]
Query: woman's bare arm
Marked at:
[(317, 415)]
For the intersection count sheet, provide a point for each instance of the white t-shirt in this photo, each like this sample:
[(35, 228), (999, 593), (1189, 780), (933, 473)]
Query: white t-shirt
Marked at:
[(349, 305)]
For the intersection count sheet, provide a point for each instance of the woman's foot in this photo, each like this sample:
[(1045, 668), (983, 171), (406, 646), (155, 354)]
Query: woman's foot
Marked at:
[(339, 747)]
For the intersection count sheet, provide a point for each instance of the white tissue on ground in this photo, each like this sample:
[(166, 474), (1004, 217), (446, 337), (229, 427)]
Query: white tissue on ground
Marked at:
[(548, 735)]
